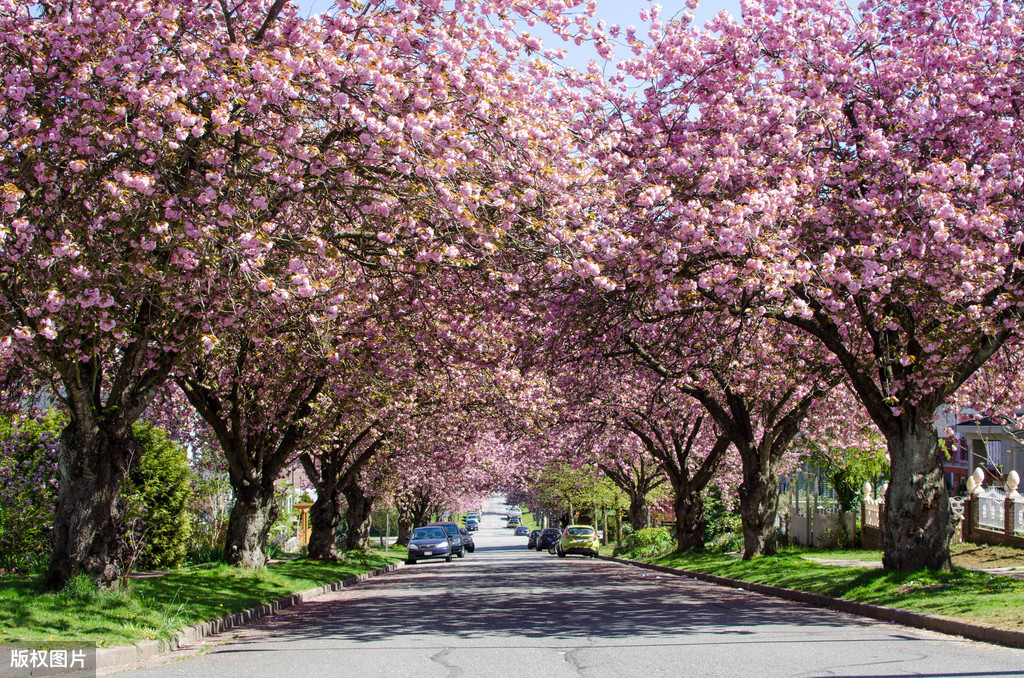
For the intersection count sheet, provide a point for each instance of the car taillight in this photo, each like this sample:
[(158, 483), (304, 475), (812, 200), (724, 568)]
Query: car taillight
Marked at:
[(566, 533)]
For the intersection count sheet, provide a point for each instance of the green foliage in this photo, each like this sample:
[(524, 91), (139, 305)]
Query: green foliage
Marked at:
[(209, 511), (723, 528), (848, 468), (162, 480), (206, 554), (28, 489), (646, 543), (844, 481)]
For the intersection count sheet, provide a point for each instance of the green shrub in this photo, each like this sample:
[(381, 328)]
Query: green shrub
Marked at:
[(28, 489), (727, 542), (723, 530), (162, 480), (645, 543)]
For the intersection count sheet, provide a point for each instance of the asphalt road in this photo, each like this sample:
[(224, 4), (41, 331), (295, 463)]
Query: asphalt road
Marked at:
[(506, 611)]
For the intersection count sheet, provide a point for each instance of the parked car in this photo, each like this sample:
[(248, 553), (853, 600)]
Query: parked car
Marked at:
[(548, 537), (467, 539), (580, 539), (513, 522), (454, 537), (472, 525), (531, 543), (429, 542), (522, 531)]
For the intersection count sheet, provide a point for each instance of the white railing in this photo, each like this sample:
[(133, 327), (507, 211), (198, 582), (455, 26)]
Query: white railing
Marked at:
[(1018, 515), (991, 508)]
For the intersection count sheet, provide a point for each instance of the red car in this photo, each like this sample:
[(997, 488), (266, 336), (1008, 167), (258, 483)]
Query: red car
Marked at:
[(522, 531)]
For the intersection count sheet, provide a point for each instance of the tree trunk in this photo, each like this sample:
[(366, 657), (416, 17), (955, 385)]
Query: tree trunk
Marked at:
[(405, 523), (87, 522), (358, 518), (637, 512), (689, 511), (249, 524), (917, 528), (759, 504), (419, 518), (324, 516)]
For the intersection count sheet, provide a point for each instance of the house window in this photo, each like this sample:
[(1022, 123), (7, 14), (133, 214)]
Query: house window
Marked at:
[(996, 453)]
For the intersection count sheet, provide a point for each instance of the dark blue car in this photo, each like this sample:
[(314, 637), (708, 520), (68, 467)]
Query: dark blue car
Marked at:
[(548, 537), (429, 542)]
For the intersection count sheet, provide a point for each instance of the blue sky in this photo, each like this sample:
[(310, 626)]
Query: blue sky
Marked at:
[(622, 12)]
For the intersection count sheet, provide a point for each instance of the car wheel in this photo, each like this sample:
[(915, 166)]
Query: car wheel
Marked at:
[(461, 554), (448, 558), (410, 561), (472, 548), (561, 553)]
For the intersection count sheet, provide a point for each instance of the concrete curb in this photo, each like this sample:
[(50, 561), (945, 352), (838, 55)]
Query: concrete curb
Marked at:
[(107, 657), (953, 627)]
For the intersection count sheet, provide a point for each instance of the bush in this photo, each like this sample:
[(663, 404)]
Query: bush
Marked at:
[(162, 481), (28, 489), (727, 542), (645, 543), (723, 525)]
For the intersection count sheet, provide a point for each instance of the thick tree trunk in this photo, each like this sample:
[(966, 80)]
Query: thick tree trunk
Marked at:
[(419, 518), (91, 467), (637, 512), (689, 511), (759, 504), (324, 516), (358, 518), (249, 524), (917, 528), (405, 524)]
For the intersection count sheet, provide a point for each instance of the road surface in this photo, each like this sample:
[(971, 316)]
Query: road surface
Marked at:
[(506, 611)]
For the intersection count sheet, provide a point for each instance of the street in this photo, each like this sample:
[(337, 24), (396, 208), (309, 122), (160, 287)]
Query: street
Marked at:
[(507, 611)]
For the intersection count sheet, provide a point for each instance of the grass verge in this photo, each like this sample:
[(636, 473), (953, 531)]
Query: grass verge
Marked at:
[(159, 607), (962, 594)]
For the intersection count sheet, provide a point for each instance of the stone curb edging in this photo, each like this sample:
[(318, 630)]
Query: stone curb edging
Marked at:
[(128, 654), (953, 627)]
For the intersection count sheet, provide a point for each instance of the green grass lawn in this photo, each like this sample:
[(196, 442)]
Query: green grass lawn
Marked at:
[(530, 521), (960, 594), (158, 607)]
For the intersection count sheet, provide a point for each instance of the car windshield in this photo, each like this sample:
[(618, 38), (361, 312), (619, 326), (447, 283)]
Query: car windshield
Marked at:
[(428, 533), (450, 528), (580, 532), (550, 531)]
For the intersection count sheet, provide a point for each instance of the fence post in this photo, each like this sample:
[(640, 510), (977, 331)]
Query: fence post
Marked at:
[(1009, 513), (865, 491)]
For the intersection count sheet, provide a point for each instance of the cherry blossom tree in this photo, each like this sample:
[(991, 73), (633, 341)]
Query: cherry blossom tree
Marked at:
[(167, 160), (853, 174)]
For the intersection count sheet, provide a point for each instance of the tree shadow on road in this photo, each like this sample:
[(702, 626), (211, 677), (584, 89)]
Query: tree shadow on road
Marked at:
[(539, 598)]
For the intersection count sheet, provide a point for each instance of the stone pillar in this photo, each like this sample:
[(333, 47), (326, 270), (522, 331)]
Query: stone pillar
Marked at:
[(1009, 514)]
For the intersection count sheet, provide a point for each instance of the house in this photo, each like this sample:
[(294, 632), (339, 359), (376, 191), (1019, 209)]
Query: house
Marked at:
[(990, 443)]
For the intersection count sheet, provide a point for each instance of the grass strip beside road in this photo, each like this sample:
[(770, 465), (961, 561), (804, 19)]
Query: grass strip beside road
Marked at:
[(161, 606), (966, 595)]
